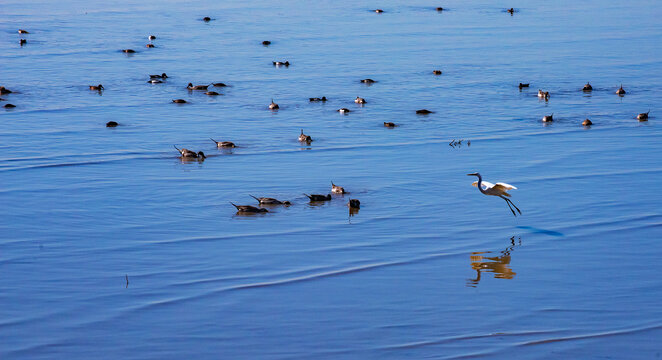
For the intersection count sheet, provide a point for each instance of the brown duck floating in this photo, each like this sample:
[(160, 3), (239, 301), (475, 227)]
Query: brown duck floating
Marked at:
[(151, 37), (587, 122), (548, 118), (186, 153), (511, 11), (281, 63), (180, 101), (359, 100), (379, 11), (389, 124), (424, 112), (523, 85), (9, 106), (436, 72), (111, 124), (21, 31), (206, 19), (643, 116), (223, 144), (337, 189), (305, 138), (273, 105), (266, 43), (212, 93), (439, 9), (620, 90), (22, 42), (128, 51), (249, 209), (219, 84), (368, 81), (150, 45), (270, 201), (316, 197), (4, 90), (162, 76), (543, 94), (322, 99), (97, 88), (587, 87), (190, 86), (343, 110), (354, 204)]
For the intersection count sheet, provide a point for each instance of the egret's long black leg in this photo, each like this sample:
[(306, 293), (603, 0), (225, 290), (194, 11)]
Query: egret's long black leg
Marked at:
[(511, 209), (511, 202)]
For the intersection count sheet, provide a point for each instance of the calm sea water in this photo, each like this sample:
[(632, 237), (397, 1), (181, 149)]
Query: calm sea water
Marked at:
[(428, 268)]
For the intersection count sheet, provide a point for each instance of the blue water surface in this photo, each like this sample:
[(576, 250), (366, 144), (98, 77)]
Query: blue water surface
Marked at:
[(113, 247)]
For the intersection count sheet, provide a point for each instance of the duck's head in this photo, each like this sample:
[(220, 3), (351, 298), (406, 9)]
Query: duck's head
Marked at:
[(473, 174), (201, 155)]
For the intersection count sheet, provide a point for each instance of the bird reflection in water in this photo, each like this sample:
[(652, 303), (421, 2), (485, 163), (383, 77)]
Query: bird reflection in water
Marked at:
[(189, 160), (499, 264)]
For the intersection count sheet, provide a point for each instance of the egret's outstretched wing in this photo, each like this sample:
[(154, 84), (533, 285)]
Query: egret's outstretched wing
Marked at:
[(486, 184), (505, 186)]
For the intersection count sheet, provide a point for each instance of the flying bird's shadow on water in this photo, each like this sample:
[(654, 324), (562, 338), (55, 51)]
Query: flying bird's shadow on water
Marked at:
[(540, 231)]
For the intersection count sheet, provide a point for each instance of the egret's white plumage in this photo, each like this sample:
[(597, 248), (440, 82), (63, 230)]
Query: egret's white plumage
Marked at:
[(499, 189), (495, 189)]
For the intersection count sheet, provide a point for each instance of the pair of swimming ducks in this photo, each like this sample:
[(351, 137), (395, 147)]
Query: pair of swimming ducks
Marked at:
[(353, 203), (4, 91), (543, 94), (186, 153), (358, 100), (620, 90)]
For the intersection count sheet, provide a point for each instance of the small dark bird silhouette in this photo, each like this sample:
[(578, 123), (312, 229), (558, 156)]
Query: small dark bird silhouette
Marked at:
[(249, 209), (316, 197), (354, 204), (270, 201), (643, 116), (223, 144)]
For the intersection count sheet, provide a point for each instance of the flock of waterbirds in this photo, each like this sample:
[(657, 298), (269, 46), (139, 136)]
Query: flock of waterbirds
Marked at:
[(499, 189)]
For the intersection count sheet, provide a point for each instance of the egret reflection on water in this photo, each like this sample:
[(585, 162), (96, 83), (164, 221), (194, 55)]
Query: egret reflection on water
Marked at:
[(499, 264)]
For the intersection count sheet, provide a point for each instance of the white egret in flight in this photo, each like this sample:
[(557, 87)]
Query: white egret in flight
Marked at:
[(499, 189)]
